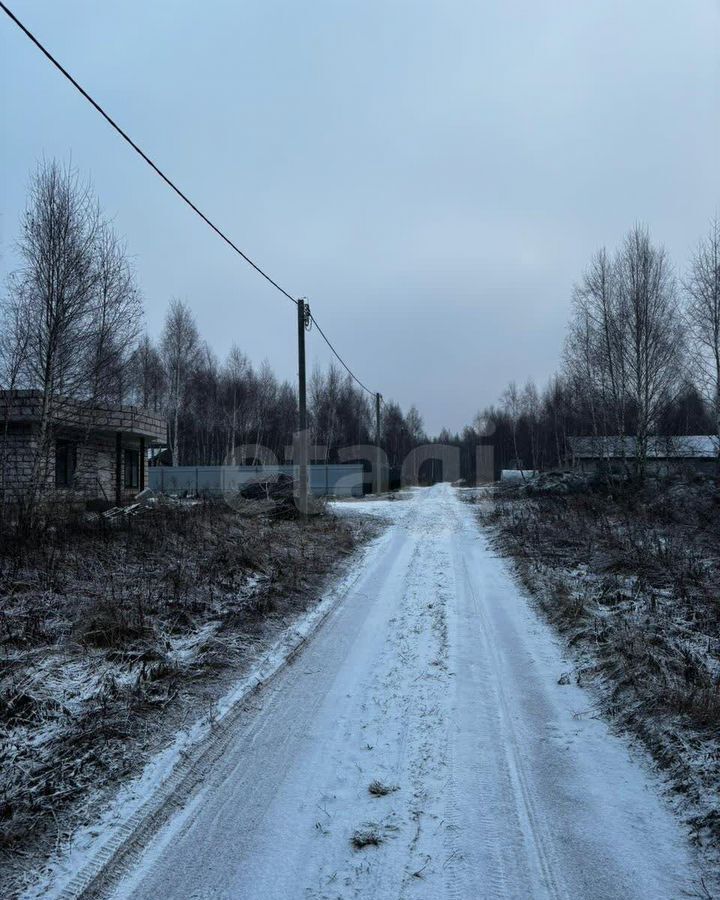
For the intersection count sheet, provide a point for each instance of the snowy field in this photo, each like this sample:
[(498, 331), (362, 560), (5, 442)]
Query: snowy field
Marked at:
[(423, 743)]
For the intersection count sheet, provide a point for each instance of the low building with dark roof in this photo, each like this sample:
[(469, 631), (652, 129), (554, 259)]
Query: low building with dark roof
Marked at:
[(695, 452)]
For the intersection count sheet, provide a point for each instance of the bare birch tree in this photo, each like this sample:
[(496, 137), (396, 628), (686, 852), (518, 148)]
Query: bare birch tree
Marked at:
[(55, 290), (415, 426), (624, 347), (530, 409), (235, 375), (14, 338), (147, 375), (180, 343), (652, 335), (73, 302), (702, 289), (116, 318), (513, 409), (580, 360)]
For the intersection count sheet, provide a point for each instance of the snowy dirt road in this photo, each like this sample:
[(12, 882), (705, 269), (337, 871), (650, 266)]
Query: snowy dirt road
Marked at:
[(436, 680)]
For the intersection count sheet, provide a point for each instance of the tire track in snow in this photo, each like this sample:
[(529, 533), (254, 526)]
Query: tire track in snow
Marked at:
[(495, 766), (428, 773), (537, 846), (409, 685)]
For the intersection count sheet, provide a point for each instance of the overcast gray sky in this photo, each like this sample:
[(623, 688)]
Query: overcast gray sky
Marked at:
[(432, 175)]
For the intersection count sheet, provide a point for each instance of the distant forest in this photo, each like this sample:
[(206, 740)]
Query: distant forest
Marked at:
[(214, 407), (71, 326), (641, 357)]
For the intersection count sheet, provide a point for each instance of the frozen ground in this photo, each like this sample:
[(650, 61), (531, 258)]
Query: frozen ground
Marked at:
[(630, 583), (419, 746)]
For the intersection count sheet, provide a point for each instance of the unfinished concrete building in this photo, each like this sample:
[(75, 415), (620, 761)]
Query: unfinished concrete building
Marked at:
[(88, 453)]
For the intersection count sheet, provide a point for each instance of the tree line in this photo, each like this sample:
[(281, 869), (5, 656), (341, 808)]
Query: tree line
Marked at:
[(71, 327), (218, 412), (641, 358)]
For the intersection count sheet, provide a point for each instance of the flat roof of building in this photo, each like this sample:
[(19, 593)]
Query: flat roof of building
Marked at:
[(26, 406), (686, 446)]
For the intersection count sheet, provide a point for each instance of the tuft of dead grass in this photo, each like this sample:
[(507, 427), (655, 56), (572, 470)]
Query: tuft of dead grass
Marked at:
[(379, 789), (367, 836)]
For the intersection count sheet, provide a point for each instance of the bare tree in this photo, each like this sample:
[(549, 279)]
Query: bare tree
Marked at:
[(555, 414), (651, 331), (624, 348), (513, 409), (203, 403), (235, 374), (415, 426), (596, 346), (324, 400), (55, 290), (180, 343), (702, 289), (116, 317), (530, 408), (265, 392), (339, 412), (395, 437), (14, 337), (72, 310), (147, 375)]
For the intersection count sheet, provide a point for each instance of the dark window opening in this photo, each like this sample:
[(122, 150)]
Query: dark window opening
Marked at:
[(132, 468), (65, 463)]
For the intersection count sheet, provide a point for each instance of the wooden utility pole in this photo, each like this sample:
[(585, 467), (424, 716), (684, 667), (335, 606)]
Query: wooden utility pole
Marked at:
[(378, 451), (303, 313)]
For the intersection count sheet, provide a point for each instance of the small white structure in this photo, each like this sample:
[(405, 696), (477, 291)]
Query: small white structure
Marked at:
[(517, 474)]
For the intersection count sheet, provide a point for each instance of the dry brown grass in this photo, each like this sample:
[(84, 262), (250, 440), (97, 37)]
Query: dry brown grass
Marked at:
[(106, 627), (632, 582)]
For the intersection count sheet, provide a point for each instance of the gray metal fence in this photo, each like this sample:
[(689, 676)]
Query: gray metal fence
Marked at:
[(340, 480)]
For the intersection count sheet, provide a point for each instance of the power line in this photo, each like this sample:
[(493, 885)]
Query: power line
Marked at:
[(339, 358), (139, 151), (170, 183)]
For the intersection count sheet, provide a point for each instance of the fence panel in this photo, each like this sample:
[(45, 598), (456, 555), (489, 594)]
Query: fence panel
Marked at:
[(338, 480)]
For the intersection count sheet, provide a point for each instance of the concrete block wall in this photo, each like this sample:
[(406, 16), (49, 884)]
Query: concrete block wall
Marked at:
[(18, 457), (25, 406), (95, 476), (95, 473)]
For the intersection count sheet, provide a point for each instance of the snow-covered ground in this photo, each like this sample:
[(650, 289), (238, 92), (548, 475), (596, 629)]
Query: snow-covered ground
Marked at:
[(420, 745)]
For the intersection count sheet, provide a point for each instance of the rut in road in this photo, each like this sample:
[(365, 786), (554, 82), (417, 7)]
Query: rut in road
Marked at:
[(436, 680)]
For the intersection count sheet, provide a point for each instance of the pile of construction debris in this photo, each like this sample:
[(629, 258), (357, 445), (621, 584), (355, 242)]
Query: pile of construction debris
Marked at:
[(278, 488)]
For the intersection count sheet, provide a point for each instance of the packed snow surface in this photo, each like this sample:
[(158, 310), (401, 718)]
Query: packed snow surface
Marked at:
[(421, 747)]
